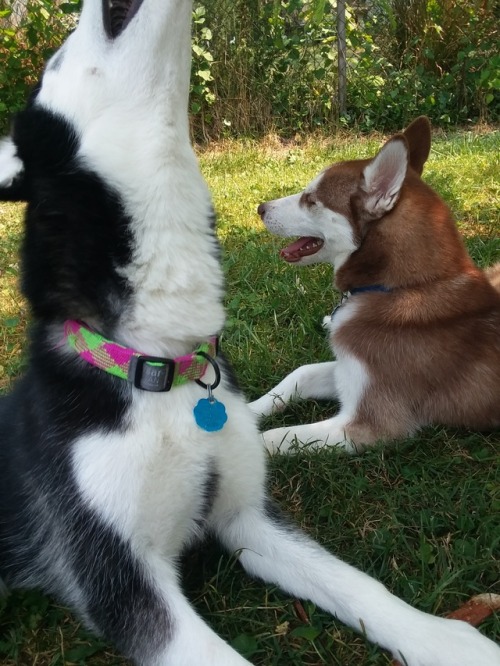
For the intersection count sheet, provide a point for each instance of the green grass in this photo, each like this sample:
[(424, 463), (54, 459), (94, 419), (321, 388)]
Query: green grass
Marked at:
[(422, 516)]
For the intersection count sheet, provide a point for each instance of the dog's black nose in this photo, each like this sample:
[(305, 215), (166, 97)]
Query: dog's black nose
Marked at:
[(261, 209)]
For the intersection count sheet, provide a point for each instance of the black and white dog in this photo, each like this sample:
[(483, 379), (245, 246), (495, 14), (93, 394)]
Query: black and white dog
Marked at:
[(113, 457)]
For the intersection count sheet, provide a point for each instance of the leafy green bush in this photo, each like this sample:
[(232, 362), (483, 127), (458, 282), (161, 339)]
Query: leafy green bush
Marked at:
[(27, 38), (424, 56), (271, 65), (268, 68)]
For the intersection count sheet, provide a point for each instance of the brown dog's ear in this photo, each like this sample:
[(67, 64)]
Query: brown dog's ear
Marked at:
[(418, 135), (11, 172), (384, 176)]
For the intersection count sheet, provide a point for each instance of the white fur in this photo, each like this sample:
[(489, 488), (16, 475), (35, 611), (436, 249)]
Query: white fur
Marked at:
[(309, 382), (124, 475), (308, 571), (346, 378), (127, 100), (10, 165), (117, 97), (287, 217)]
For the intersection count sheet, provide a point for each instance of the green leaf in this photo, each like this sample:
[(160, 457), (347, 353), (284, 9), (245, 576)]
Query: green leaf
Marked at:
[(245, 644), (70, 7), (204, 74), (308, 632), (11, 322), (427, 555), (319, 11), (81, 652)]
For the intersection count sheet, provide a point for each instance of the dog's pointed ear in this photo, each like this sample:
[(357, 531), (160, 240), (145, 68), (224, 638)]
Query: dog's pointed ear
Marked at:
[(418, 136), (384, 176), (12, 185)]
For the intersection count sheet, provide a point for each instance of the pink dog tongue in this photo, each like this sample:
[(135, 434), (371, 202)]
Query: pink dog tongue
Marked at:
[(303, 247)]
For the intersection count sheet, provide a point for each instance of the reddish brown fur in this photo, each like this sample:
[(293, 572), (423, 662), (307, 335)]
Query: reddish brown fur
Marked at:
[(423, 347), (432, 345)]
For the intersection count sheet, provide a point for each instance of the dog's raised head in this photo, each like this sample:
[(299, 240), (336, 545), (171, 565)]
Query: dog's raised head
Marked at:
[(102, 155), (115, 81), (358, 215)]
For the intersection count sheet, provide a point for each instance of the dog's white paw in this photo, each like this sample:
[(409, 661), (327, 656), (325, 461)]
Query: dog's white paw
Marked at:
[(315, 436), (449, 643)]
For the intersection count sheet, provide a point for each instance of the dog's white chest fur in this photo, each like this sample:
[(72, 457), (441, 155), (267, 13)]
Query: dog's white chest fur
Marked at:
[(351, 375), (151, 482)]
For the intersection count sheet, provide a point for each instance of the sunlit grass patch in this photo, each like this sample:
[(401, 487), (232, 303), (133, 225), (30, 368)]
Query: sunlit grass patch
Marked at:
[(13, 309)]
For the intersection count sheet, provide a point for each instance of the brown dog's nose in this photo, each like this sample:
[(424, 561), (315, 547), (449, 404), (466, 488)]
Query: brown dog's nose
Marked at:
[(261, 209)]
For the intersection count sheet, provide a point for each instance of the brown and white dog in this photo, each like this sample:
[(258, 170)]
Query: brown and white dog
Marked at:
[(417, 341)]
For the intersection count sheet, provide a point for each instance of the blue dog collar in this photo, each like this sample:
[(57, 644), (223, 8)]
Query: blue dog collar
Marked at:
[(360, 290)]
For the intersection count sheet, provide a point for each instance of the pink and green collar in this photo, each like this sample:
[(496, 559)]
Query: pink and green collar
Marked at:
[(149, 373)]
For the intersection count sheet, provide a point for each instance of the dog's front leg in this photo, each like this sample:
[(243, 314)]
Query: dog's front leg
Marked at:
[(193, 643), (276, 552), (131, 596), (309, 382), (328, 433)]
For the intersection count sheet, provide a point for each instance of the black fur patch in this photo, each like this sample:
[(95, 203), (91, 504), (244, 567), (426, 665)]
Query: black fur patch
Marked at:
[(277, 517), (77, 233), (209, 494), (52, 540), (120, 598), (56, 62)]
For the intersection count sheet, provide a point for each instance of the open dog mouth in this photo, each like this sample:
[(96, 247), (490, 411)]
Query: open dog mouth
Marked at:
[(303, 247), (118, 14)]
